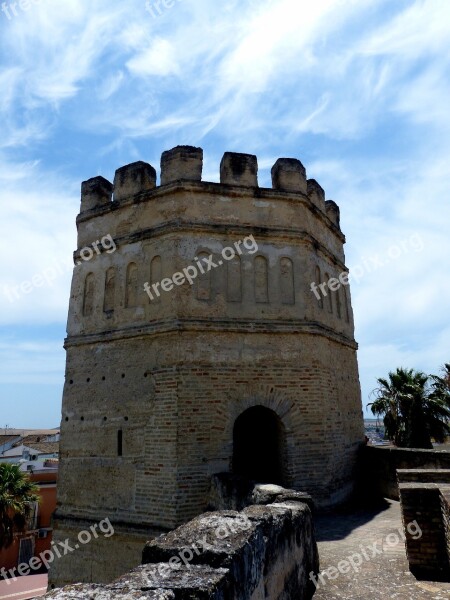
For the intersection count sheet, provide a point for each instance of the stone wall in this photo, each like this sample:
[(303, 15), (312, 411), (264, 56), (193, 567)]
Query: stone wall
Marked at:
[(424, 496), (231, 492), (264, 552), (379, 465)]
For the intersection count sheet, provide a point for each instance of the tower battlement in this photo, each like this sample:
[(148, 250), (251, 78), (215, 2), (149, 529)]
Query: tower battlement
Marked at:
[(184, 164)]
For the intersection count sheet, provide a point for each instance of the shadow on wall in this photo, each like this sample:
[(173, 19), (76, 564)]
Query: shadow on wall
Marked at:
[(378, 468)]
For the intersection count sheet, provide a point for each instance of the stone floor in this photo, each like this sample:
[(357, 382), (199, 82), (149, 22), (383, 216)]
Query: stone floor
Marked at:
[(384, 576)]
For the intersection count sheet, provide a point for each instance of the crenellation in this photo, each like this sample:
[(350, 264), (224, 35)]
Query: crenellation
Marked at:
[(316, 193), (289, 175), (183, 163), (333, 212), (239, 169), (95, 192), (133, 179)]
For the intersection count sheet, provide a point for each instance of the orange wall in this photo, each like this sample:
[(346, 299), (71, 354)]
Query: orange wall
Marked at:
[(9, 557)]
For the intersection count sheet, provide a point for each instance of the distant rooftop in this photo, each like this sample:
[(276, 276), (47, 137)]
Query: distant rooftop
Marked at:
[(46, 447), (32, 440), (5, 439), (24, 432), (39, 448)]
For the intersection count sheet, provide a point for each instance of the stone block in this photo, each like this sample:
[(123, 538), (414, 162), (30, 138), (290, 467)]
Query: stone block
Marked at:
[(316, 193), (182, 581), (183, 163), (239, 169), (95, 192), (289, 175), (103, 592), (133, 179), (333, 212)]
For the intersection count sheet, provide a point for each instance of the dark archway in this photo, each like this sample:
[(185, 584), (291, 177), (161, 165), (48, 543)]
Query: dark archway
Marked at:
[(258, 445)]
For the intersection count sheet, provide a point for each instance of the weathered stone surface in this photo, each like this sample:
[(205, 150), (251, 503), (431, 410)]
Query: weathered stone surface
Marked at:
[(269, 493), (233, 492), (133, 179), (261, 553), (268, 550), (95, 192), (316, 193), (182, 163), (230, 492), (239, 169), (221, 537), (333, 212), (289, 175), (183, 581), (99, 592)]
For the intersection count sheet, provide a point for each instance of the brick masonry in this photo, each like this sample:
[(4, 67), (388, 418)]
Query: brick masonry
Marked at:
[(153, 388), (425, 497), (379, 468)]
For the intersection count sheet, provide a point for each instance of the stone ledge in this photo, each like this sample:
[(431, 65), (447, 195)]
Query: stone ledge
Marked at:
[(288, 327), (263, 552), (102, 592), (215, 189)]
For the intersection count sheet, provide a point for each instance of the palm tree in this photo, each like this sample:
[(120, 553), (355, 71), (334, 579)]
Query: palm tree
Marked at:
[(413, 410), (441, 385), (17, 493)]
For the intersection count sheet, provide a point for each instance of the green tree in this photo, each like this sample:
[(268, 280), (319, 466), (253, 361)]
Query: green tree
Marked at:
[(17, 493), (441, 385), (415, 407)]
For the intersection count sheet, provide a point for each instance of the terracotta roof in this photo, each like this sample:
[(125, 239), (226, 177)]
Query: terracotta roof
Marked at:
[(45, 447), (4, 439), (25, 432), (32, 440)]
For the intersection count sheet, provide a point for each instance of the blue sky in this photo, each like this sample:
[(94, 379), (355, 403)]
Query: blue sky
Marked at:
[(358, 90)]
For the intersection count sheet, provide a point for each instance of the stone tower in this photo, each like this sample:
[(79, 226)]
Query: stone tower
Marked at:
[(167, 383)]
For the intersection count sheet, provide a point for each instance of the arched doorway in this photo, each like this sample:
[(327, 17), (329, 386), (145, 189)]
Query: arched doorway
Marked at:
[(258, 445)]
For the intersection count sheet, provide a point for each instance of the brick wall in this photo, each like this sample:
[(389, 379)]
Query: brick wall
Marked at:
[(427, 555)]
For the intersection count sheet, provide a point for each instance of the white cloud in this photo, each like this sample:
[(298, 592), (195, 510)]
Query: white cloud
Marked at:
[(158, 59), (37, 235)]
